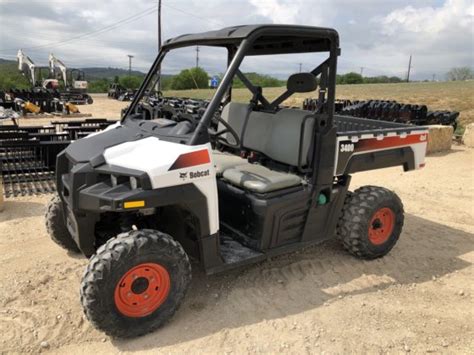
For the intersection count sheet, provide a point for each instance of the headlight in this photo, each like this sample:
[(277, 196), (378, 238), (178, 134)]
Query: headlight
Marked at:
[(120, 179)]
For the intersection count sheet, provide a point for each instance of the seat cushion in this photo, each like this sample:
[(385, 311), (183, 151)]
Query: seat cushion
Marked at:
[(223, 161), (258, 178)]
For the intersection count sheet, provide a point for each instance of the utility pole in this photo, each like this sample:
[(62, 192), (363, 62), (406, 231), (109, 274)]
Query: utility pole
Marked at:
[(159, 25), (361, 70), (129, 64), (197, 56), (300, 64), (409, 68), (434, 77), (158, 86)]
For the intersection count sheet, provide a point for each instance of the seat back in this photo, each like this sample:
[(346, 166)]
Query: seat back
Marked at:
[(234, 114), (277, 135)]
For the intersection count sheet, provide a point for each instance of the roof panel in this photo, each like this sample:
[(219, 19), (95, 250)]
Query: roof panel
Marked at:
[(273, 38)]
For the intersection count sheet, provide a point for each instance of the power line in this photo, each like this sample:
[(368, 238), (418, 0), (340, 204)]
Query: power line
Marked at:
[(112, 26), (94, 32), (219, 23)]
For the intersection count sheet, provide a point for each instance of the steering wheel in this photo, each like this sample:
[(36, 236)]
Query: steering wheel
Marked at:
[(217, 136)]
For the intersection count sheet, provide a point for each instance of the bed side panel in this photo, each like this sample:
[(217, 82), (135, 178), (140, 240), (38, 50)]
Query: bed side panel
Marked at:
[(370, 151)]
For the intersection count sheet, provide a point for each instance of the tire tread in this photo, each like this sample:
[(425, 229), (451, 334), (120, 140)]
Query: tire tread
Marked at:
[(110, 254), (357, 211), (56, 227)]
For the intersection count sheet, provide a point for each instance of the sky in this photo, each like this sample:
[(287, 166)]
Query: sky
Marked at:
[(377, 36)]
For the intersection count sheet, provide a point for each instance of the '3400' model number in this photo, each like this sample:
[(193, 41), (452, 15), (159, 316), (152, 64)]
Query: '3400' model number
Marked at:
[(347, 147)]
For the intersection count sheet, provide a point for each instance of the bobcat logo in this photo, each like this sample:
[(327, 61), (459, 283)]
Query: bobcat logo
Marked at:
[(183, 176), (198, 174)]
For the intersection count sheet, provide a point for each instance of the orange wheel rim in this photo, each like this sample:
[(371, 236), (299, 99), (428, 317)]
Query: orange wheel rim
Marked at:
[(142, 290), (381, 226)]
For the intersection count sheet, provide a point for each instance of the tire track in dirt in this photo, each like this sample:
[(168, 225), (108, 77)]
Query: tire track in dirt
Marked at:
[(321, 273)]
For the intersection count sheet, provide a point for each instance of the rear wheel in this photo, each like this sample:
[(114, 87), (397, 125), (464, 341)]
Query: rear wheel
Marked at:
[(135, 283), (56, 225), (371, 222)]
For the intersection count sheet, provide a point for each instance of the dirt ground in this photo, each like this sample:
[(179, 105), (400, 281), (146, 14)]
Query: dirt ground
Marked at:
[(417, 299)]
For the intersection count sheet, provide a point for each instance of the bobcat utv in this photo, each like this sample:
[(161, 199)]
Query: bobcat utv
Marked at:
[(228, 186)]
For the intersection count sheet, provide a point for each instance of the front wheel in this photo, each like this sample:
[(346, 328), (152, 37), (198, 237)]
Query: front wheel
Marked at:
[(371, 222), (135, 283), (56, 225)]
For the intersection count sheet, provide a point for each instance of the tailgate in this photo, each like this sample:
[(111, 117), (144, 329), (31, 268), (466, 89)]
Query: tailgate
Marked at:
[(381, 149)]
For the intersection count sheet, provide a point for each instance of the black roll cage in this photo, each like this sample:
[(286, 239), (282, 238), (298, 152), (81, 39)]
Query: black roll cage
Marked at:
[(256, 40)]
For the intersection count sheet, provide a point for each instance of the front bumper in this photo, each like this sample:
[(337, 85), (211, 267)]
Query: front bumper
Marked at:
[(88, 191)]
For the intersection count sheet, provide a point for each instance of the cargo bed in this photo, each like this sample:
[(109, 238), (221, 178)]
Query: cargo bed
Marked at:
[(365, 144), (348, 125)]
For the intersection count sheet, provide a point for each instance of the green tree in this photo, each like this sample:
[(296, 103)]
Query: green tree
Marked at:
[(166, 82), (352, 78), (10, 77), (339, 79), (394, 79), (131, 82), (264, 81), (98, 86), (194, 78)]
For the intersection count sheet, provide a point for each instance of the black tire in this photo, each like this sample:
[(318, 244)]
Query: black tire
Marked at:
[(359, 228), (113, 261), (56, 225)]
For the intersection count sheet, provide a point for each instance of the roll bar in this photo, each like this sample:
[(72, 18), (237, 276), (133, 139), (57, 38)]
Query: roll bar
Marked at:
[(327, 69)]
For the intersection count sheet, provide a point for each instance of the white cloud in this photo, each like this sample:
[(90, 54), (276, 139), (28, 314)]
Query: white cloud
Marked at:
[(377, 35), (277, 10), (438, 37), (429, 20)]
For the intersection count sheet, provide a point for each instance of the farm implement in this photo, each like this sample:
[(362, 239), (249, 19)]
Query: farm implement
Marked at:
[(385, 110), (28, 154), (47, 94), (37, 100)]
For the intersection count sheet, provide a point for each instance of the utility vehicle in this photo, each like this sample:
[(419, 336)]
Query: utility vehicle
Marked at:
[(115, 90), (231, 185)]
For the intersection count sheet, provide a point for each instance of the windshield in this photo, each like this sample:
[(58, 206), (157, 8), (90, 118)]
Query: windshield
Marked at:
[(188, 75)]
